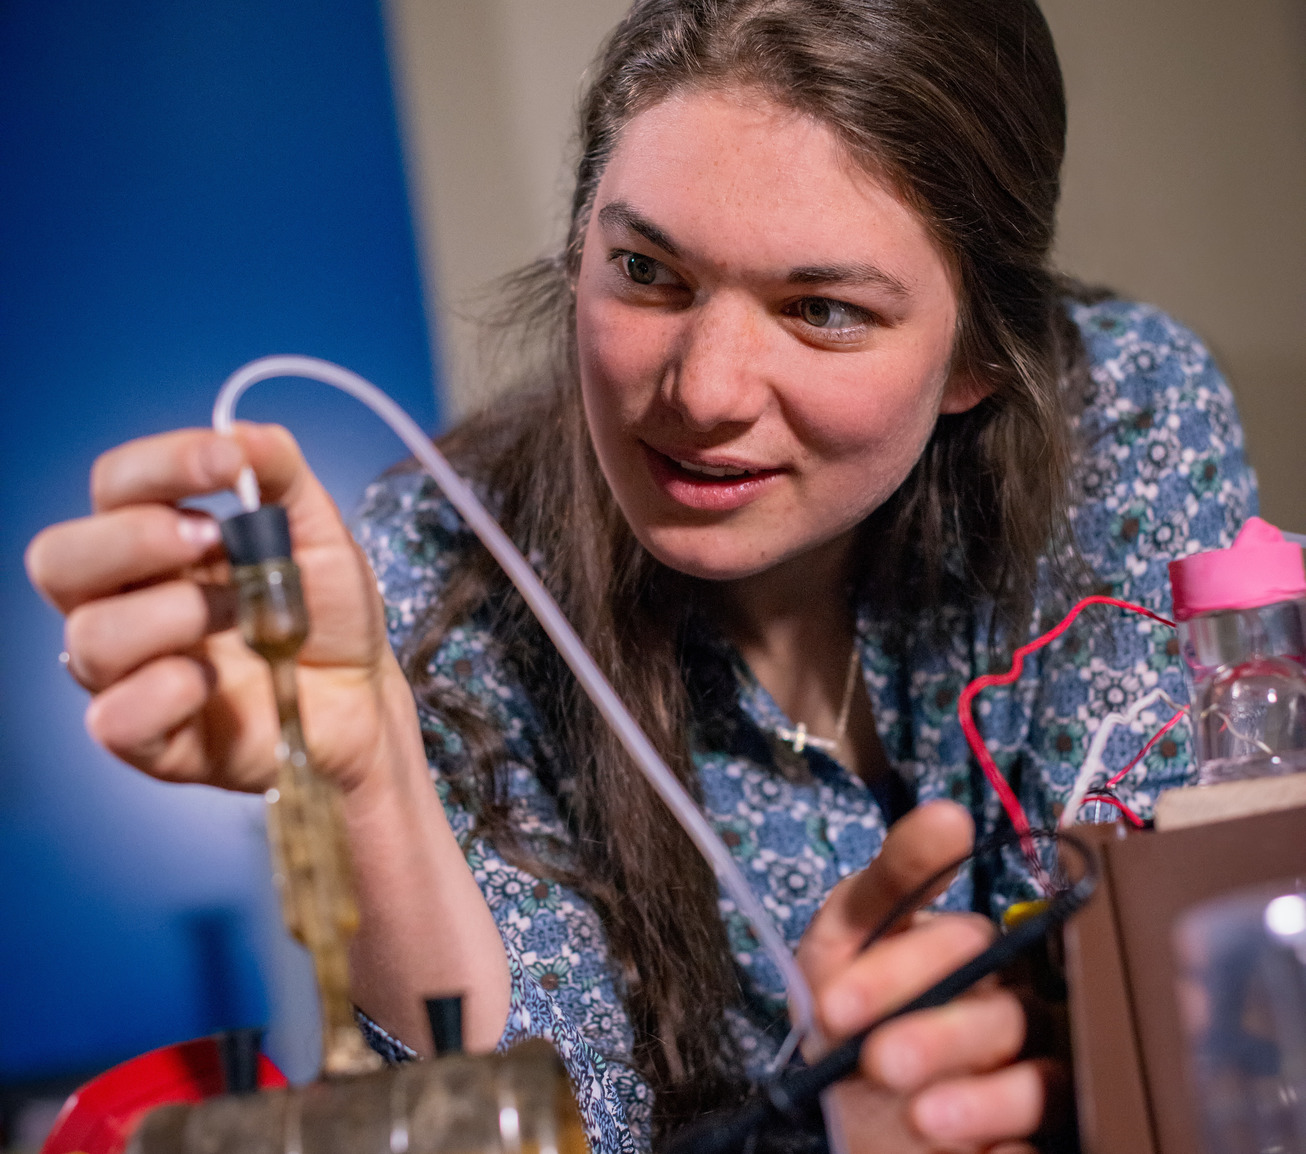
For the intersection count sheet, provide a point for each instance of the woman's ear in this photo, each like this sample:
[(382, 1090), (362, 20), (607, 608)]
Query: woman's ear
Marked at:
[(963, 391)]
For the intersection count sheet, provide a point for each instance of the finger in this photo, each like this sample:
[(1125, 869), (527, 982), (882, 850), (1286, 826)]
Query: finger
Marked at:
[(973, 1034), (136, 717), (894, 971), (190, 462), (321, 538), (990, 1108), (76, 561), (923, 842), (111, 636), (165, 468)]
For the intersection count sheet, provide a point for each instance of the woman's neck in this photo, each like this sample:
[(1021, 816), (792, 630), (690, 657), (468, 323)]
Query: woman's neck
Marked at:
[(778, 615), (794, 626)]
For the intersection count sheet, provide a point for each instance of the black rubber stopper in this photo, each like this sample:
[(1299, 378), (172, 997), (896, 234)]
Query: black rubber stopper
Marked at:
[(238, 1051), (263, 535), (446, 1017)]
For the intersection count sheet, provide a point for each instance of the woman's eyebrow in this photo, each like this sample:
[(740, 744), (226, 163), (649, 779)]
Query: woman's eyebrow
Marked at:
[(619, 214), (848, 274)]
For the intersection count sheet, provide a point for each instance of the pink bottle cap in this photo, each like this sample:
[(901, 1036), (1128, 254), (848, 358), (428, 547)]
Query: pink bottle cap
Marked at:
[(1260, 569)]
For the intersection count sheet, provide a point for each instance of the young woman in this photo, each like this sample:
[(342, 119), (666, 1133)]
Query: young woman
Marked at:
[(811, 437)]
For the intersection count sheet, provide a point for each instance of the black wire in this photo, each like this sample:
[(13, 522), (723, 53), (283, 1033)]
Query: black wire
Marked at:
[(789, 1097), (998, 841)]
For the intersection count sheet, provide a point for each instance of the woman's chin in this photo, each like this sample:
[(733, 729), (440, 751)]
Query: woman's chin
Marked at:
[(727, 554), (708, 560)]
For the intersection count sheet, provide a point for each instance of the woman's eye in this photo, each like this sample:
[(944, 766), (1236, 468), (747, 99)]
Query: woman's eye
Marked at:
[(823, 313), (646, 273), (641, 269)]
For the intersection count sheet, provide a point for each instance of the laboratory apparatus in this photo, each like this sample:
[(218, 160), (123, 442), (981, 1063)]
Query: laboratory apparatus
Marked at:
[(1241, 614)]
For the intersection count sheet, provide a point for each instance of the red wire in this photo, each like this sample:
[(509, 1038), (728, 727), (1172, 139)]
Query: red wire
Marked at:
[(1010, 803), (1130, 815), (1142, 753)]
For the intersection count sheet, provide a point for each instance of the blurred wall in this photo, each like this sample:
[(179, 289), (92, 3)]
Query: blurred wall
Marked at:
[(487, 93), (1185, 182)]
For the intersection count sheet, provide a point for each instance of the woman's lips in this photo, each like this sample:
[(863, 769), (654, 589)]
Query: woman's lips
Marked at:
[(700, 490)]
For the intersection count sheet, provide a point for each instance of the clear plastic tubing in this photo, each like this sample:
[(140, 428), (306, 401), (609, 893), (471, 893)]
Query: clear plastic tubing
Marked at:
[(557, 626)]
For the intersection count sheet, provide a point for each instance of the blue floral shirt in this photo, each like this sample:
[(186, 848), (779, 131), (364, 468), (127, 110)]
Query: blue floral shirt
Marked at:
[(1162, 474)]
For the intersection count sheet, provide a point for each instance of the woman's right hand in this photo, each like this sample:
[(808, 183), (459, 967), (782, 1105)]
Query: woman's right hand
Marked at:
[(149, 628), (955, 1078), (151, 634)]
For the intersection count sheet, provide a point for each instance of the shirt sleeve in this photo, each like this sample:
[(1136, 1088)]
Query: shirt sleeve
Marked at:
[(1163, 475), (563, 985)]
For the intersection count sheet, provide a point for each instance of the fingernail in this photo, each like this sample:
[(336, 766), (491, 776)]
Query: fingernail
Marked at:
[(940, 1114), (222, 459), (842, 1009), (898, 1063), (202, 532)]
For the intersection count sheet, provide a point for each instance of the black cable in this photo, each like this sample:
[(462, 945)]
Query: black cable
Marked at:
[(790, 1095)]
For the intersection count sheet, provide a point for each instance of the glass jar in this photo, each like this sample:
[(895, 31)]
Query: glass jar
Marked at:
[(1241, 616), (1247, 686)]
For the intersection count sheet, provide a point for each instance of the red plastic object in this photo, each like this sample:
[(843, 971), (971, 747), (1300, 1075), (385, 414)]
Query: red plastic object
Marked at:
[(100, 1117)]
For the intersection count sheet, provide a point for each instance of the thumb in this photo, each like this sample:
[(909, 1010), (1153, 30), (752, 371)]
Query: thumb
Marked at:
[(285, 478), (923, 842)]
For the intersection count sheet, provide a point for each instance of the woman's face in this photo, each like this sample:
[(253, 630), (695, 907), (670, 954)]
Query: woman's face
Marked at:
[(765, 334)]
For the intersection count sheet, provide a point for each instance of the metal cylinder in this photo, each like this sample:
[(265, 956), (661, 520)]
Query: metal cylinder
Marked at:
[(519, 1102)]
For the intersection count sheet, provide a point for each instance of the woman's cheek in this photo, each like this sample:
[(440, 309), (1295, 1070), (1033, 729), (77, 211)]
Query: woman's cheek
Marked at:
[(885, 412), (613, 379), (855, 425)]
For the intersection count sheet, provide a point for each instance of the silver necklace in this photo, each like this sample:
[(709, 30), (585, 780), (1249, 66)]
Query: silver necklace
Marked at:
[(798, 738)]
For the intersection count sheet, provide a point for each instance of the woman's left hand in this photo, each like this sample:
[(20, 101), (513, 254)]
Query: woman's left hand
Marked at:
[(947, 1079)]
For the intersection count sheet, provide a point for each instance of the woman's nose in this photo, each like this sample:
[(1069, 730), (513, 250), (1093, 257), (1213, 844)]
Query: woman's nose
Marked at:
[(714, 379)]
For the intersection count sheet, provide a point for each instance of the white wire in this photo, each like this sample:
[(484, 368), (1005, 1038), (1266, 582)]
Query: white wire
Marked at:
[(557, 626), (1092, 766)]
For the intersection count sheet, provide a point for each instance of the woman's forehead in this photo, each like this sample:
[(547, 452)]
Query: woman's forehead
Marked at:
[(724, 172)]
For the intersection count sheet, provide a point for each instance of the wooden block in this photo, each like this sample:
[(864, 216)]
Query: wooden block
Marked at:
[(1110, 1091), (1156, 878), (1199, 804)]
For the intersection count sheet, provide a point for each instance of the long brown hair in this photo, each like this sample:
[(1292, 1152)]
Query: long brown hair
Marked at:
[(959, 103)]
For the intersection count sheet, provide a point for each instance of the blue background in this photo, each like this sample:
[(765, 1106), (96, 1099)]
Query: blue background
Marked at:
[(184, 185)]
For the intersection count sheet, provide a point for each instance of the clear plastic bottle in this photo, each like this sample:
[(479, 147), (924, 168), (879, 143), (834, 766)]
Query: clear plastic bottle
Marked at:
[(1241, 615), (1240, 970)]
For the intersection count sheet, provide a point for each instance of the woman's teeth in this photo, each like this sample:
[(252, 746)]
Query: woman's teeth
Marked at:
[(714, 470)]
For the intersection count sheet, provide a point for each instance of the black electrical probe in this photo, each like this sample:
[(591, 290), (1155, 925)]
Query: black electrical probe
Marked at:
[(788, 1099)]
